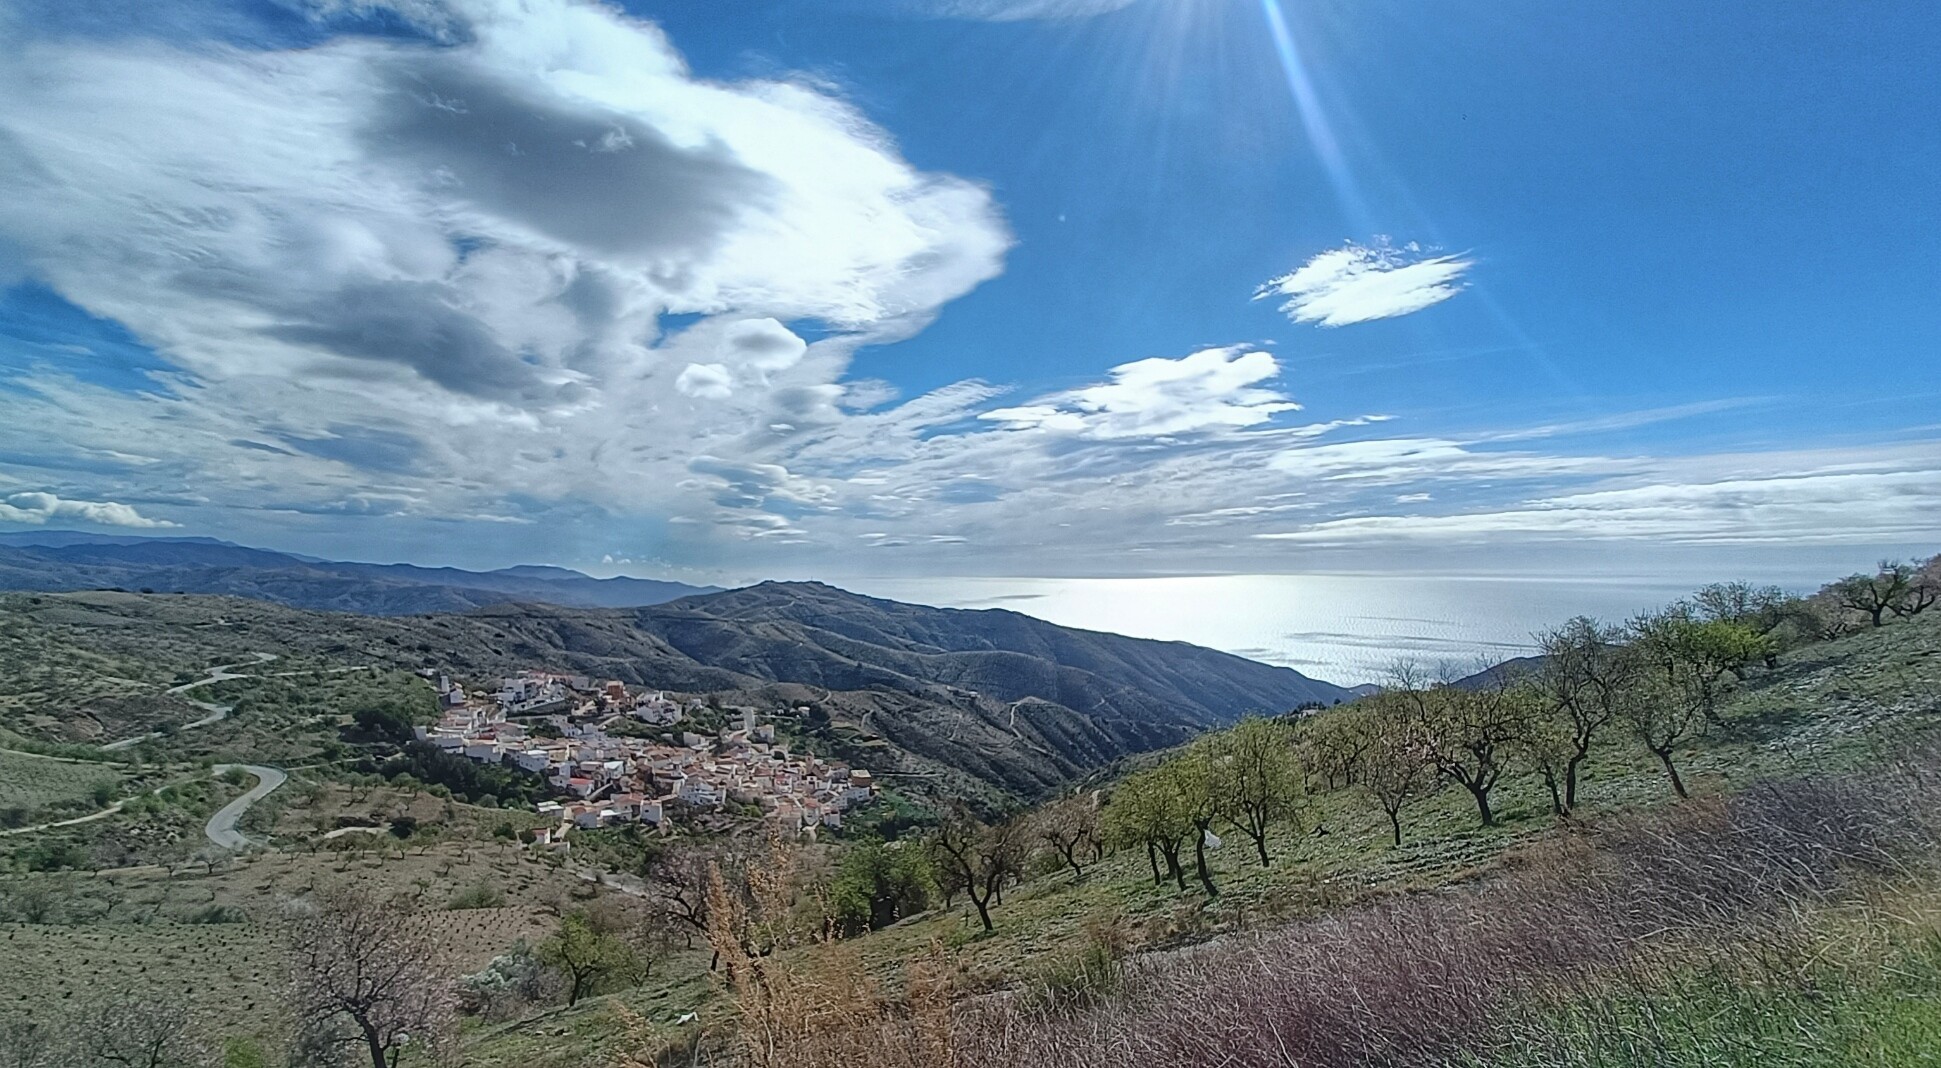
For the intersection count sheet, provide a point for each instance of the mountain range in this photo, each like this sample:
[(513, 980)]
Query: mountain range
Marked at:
[(985, 698), (71, 560)]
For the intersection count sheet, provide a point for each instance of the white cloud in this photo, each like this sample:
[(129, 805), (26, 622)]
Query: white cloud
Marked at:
[(1210, 389), (1396, 460), (710, 381), (450, 285), (1358, 283), (38, 508), (1791, 508)]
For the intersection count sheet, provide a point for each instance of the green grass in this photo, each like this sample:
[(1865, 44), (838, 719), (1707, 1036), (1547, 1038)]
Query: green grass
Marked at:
[(36, 788), (1879, 1013), (1830, 707)]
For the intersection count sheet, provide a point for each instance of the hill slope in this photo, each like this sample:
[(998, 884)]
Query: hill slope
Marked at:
[(959, 700)]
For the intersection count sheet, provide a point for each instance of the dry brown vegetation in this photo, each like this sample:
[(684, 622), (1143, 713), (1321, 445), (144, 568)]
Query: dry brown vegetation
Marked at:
[(1421, 979)]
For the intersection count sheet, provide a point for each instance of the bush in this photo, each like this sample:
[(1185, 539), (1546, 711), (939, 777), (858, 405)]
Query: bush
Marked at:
[(479, 895)]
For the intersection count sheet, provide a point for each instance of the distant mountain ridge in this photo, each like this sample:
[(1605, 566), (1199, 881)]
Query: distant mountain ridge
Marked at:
[(983, 698), (57, 560)]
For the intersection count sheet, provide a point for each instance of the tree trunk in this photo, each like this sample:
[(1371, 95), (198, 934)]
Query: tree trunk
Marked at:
[(1671, 770), (375, 1044), (1152, 858), (1395, 824), (1260, 847), (1199, 862), (983, 912), (1570, 781), (1556, 794), (1481, 794)]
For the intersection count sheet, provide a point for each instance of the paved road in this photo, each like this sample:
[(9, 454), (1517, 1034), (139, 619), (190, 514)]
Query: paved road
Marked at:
[(222, 826), (220, 673)]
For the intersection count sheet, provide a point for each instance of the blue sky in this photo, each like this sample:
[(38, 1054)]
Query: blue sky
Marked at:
[(977, 287)]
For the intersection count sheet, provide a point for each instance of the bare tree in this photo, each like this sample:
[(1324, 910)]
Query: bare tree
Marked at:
[(124, 1028), (365, 972), (1071, 826), (1875, 595), (1470, 734), (153, 1030), (678, 878), (1584, 672), (981, 857), (1923, 590), (1396, 768)]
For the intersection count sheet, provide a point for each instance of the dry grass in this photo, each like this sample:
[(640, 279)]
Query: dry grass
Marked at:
[(1422, 979)]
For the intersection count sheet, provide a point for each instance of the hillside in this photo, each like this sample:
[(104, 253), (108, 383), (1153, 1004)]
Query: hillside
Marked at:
[(66, 560), (954, 701)]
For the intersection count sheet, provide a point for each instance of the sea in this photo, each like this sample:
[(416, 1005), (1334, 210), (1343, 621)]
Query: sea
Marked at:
[(1344, 629)]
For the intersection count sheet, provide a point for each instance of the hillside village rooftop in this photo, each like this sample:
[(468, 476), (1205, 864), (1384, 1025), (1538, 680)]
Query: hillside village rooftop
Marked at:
[(556, 726)]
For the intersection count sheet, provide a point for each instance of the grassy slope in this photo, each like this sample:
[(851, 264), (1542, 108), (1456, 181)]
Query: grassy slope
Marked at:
[(1828, 707)]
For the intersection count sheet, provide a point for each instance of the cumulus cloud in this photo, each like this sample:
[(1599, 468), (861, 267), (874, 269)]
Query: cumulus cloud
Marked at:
[(1212, 388), (452, 285), (37, 508), (1358, 283), (710, 381), (500, 216)]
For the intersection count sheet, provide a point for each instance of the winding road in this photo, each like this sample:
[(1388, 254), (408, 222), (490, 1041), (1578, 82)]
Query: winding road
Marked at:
[(219, 673), (222, 826)]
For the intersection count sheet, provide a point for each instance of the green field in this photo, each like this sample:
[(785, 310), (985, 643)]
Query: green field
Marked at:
[(34, 789)]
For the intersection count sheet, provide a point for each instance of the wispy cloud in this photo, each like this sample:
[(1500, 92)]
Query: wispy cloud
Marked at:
[(1358, 283), (1158, 397), (1783, 509)]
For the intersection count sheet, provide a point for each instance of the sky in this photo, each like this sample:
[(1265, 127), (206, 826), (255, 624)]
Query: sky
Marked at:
[(721, 290)]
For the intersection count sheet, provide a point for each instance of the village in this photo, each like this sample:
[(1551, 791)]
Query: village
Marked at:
[(622, 756)]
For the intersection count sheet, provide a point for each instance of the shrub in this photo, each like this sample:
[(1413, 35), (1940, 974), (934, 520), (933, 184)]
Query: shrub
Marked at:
[(479, 895)]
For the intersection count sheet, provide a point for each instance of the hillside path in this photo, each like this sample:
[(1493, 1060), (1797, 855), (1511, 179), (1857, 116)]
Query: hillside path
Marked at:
[(222, 826), (219, 673)]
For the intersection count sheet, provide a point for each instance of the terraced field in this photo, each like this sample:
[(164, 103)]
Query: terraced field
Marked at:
[(35, 786)]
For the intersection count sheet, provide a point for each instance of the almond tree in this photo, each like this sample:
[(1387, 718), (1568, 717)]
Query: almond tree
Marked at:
[(981, 857), (1146, 811), (588, 950), (365, 972), (1396, 769), (1585, 670), (1886, 590), (1197, 779), (1259, 781), (1071, 826), (1672, 698), (1471, 734)]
